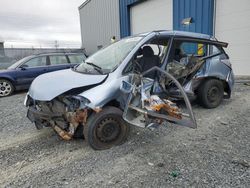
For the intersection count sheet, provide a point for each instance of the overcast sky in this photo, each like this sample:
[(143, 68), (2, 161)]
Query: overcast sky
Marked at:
[(27, 23)]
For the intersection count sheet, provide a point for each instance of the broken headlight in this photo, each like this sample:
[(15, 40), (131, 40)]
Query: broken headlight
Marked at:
[(76, 102)]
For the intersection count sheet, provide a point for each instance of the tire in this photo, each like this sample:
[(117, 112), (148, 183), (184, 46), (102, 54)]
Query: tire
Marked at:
[(210, 93), (6, 88), (106, 129)]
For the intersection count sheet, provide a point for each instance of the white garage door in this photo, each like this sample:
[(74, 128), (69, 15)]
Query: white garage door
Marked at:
[(232, 25), (151, 15)]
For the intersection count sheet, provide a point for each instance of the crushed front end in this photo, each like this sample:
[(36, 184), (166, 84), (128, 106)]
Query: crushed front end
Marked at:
[(65, 114)]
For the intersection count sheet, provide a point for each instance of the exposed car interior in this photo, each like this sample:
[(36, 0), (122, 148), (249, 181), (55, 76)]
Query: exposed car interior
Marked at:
[(183, 57), (148, 60), (149, 55), (149, 95)]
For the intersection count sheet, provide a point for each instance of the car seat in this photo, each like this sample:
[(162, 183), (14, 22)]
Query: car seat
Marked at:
[(148, 60)]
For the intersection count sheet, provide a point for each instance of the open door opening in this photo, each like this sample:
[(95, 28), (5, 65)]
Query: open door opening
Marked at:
[(149, 104)]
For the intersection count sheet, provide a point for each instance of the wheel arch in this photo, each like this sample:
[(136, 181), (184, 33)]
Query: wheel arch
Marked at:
[(114, 103), (8, 79), (224, 82)]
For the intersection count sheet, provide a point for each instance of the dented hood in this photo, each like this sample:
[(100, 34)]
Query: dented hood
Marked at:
[(50, 85)]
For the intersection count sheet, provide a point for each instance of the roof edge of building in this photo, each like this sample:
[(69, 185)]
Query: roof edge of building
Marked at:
[(84, 4)]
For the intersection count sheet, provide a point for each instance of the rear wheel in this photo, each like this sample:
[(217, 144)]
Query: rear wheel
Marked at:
[(6, 88), (106, 129), (210, 93)]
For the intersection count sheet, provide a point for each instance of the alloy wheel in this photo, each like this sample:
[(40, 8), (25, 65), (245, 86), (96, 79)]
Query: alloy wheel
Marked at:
[(5, 88)]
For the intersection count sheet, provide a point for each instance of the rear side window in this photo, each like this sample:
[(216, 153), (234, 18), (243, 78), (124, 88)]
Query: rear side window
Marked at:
[(76, 59), (215, 50), (58, 60), (36, 62), (193, 48)]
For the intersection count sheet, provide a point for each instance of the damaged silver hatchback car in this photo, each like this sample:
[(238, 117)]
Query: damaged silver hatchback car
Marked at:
[(135, 81)]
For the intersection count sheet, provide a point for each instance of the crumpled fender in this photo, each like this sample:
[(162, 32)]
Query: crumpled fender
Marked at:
[(103, 93)]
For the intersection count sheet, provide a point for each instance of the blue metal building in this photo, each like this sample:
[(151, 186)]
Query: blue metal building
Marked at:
[(201, 13)]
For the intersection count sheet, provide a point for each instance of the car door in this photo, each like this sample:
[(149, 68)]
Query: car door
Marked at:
[(29, 70), (148, 104), (76, 59), (58, 62)]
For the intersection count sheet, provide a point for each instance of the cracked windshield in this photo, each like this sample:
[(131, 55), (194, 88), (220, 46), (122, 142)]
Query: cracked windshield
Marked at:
[(107, 59)]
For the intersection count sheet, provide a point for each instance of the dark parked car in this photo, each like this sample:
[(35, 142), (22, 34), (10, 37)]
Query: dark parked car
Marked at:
[(20, 75)]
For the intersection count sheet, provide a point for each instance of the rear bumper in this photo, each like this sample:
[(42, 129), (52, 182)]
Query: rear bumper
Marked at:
[(230, 80)]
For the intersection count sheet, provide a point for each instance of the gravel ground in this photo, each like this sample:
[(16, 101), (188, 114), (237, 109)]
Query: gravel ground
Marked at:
[(216, 154)]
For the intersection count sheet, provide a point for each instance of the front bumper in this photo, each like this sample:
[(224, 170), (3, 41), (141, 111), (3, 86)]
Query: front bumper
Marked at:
[(42, 119), (35, 115)]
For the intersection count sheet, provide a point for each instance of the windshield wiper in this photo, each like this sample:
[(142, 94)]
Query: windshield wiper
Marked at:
[(96, 67), (74, 68)]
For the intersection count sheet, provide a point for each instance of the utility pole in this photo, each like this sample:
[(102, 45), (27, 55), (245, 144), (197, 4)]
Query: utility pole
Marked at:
[(2, 48), (56, 44)]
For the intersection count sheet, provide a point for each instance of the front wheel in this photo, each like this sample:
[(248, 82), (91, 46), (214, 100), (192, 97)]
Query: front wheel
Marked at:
[(106, 129), (210, 93), (6, 88)]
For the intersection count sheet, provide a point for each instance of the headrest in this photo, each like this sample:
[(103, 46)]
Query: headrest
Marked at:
[(147, 51), (177, 51)]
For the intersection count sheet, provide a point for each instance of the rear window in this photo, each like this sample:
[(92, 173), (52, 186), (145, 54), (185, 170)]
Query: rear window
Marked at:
[(193, 48), (76, 59), (58, 60), (215, 50)]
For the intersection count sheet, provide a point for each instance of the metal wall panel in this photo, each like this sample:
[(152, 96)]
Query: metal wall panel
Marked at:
[(232, 25), (125, 16), (151, 15), (99, 22), (201, 11)]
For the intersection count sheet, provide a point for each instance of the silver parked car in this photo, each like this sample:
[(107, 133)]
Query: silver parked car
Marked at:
[(135, 81)]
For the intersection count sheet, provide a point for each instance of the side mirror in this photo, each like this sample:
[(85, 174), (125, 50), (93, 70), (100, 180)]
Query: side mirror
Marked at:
[(126, 87), (23, 67)]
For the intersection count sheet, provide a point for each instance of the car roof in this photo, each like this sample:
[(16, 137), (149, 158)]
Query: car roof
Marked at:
[(187, 34), (53, 53), (181, 34)]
